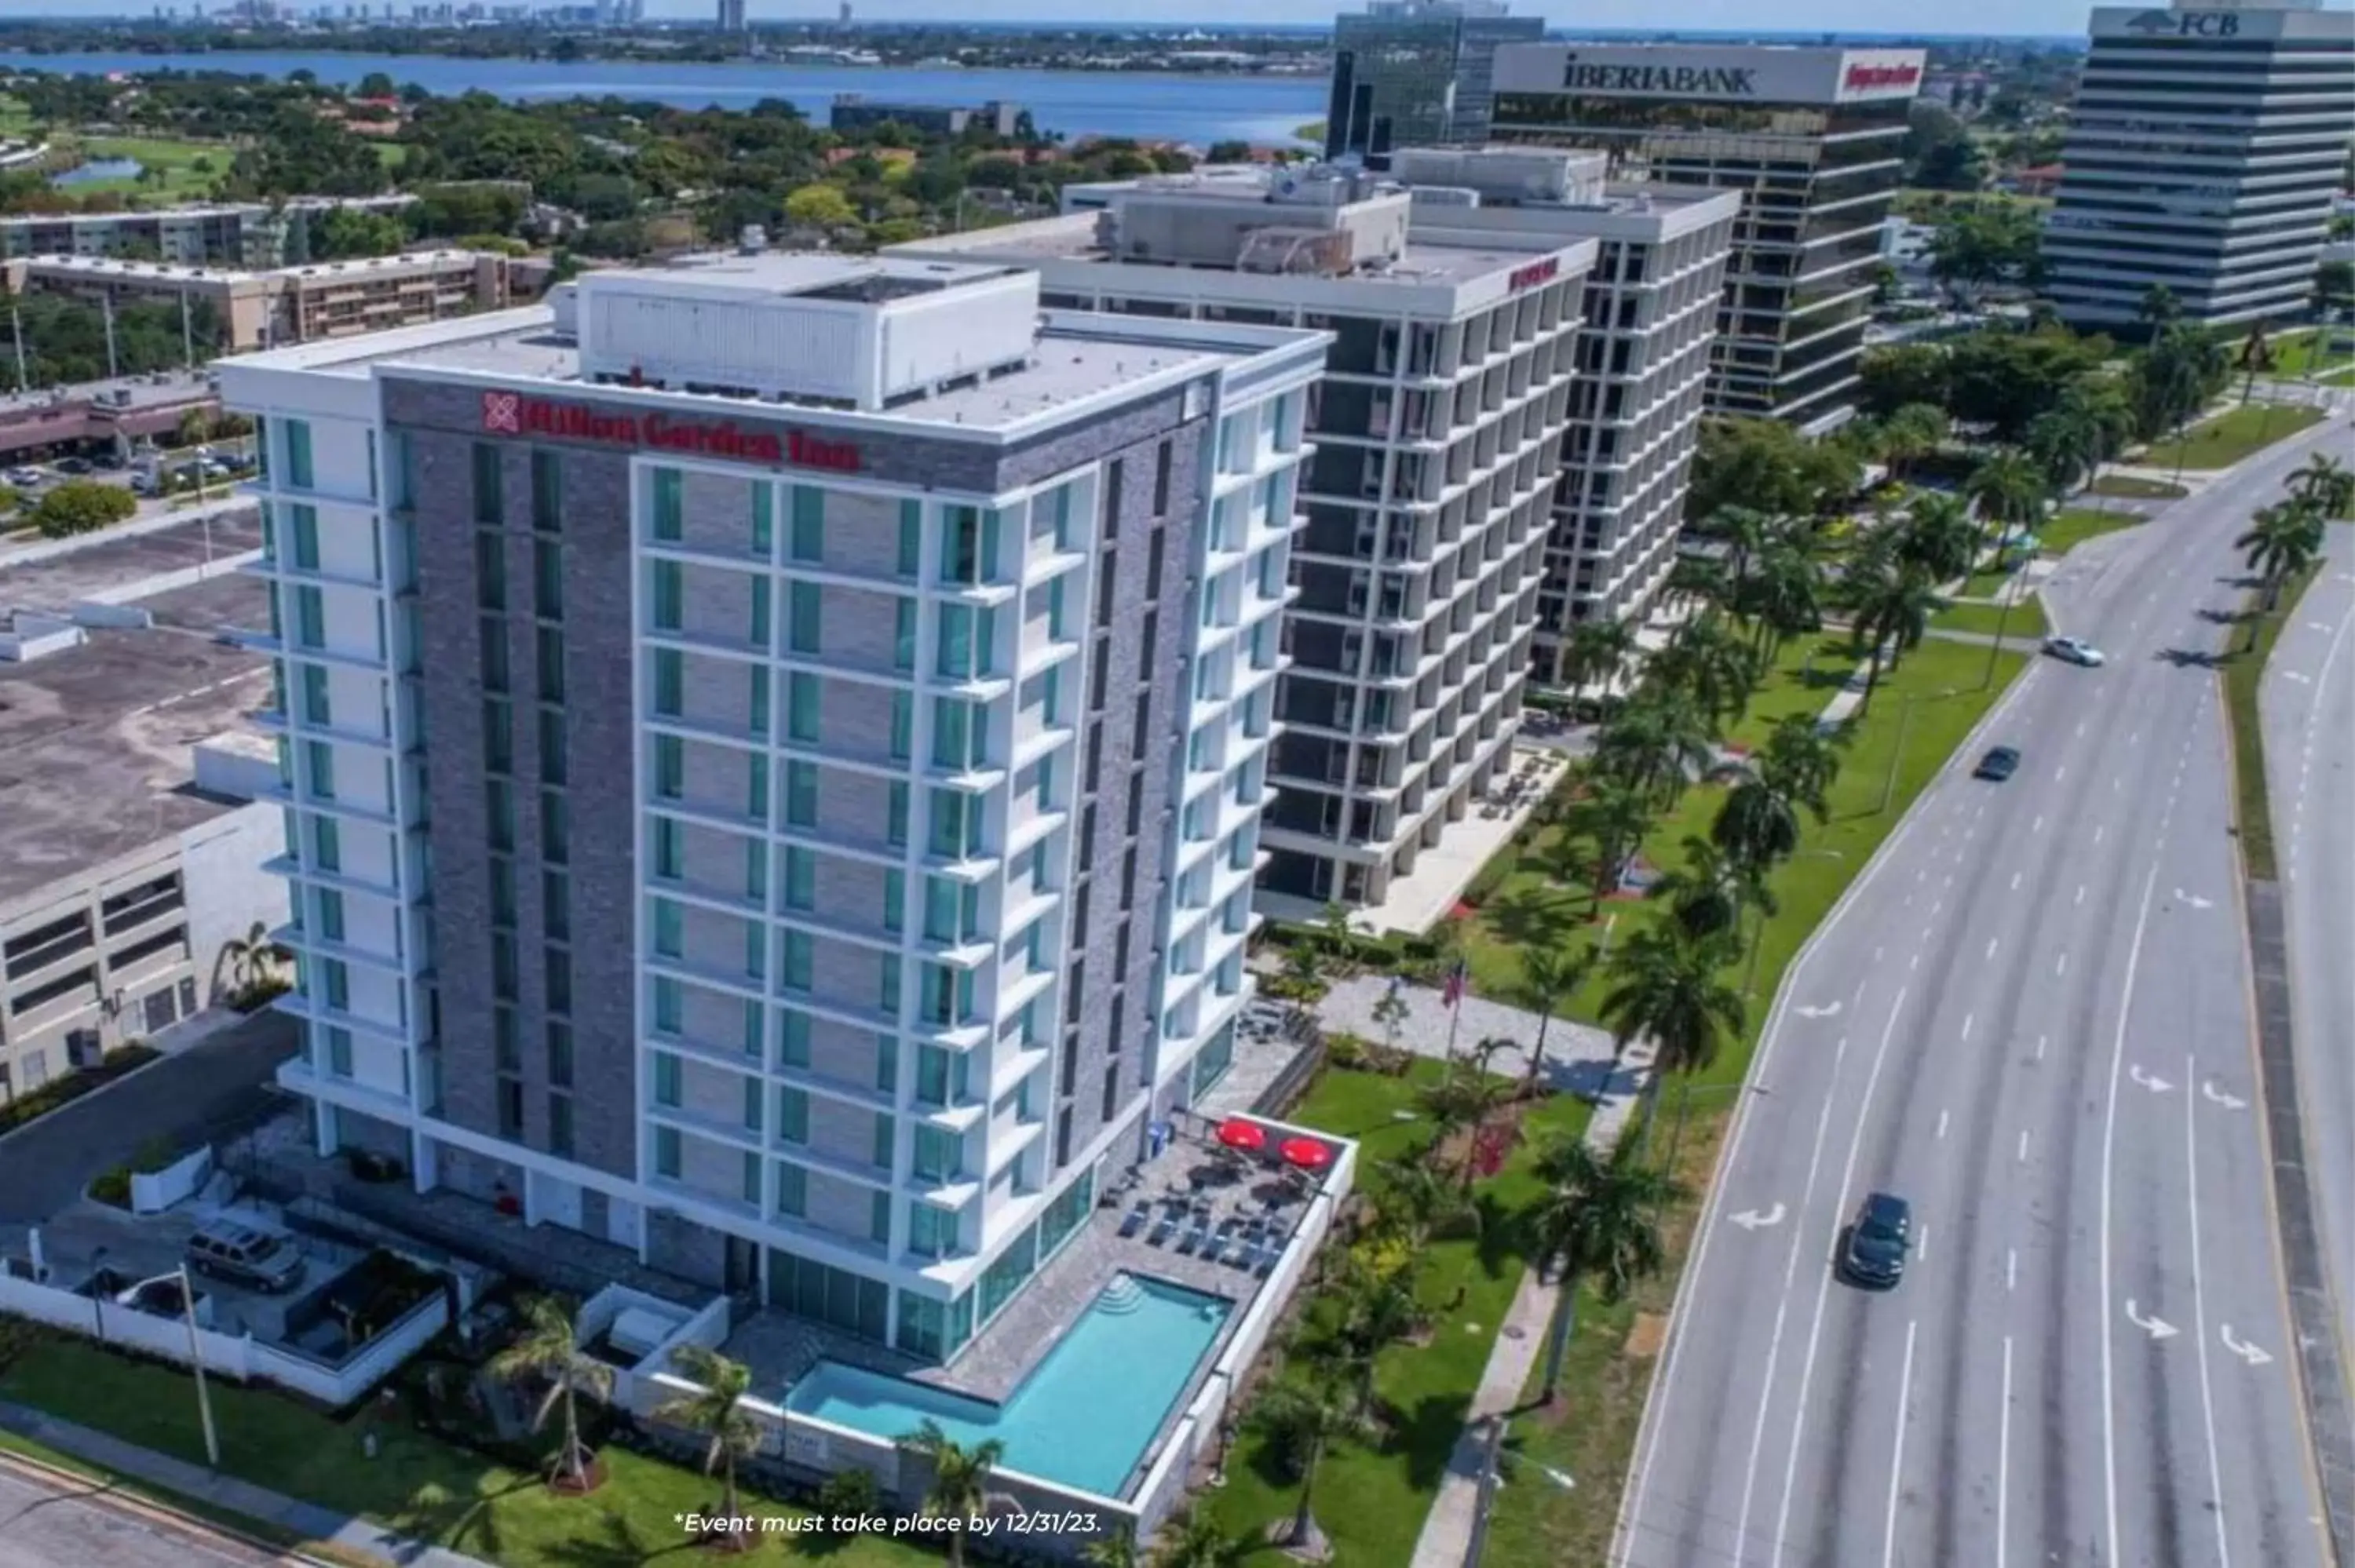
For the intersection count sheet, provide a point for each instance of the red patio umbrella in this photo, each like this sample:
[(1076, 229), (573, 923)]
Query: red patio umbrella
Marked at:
[(1306, 1153), (1248, 1135)]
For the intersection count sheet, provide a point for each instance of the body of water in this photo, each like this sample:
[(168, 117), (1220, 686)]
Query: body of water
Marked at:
[(1201, 109), (96, 170)]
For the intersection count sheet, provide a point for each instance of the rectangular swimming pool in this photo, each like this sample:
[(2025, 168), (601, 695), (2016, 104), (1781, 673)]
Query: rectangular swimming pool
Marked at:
[(1084, 1414)]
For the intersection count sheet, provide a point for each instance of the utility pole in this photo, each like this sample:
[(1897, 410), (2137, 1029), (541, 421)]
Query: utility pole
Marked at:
[(107, 303), (187, 336), (196, 1362), (1889, 785)]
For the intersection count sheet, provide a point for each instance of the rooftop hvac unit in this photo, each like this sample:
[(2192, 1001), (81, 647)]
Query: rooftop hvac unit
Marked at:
[(1446, 195), (1329, 252)]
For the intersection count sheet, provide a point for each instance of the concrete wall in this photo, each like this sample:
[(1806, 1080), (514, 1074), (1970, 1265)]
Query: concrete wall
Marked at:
[(228, 890)]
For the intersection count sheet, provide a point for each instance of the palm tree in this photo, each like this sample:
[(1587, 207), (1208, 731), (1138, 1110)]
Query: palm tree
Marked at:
[(254, 959), (1696, 578), (1420, 1201), (1550, 977), (2324, 482), (1304, 1419), (1783, 596), (1705, 896), (960, 1489), (1707, 663), (1744, 532), (2160, 307), (1463, 1095), (1891, 613), (1594, 651), (2282, 541), (1914, 432), (1800, 760), (1598, 1220), (1193, 1540), (1117, 1550), (2009, 487), (1664, 988), (550, 1349), (1658, 742), (1939, 535), (715, 1408), (1376, 1313), (1614, 815)]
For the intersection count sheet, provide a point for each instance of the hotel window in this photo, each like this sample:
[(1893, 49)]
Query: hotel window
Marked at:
[(551, 745), (955, 824), (794, 1049), (547, 492), (912, 537), (939, 1154), (903, 634), (298, 453), (764, 519), (261, 446), (800, 878), (792, 1189), (547, 580), (498, 807), (559, 1126), (510, 1108), (941, 1076), (666, 849), (305, 523), (339, 1052), (494, 654), (559, 1053), (556, 974), (895, 813), (809, 524), (669, 928), (507, 1052), (887, 986), (490, 570), (555, 829), (756, 871), (756, 788), (504, 983), (886, 1064), (755, 1029), (753, 1178), (1055, 618), (670, 682), (669, 596), (968, 544), (947, 994), (667, 1005), (331, 915), (793, 1116), (801, 627), (952, 909), (666, 1088), (886, 1143), (931, 1234), (756, 952), (757, 702), (879, 1218), (895, 900), (752, 1105), (670, 766), (319, 759), (960, 732), (326, 845), (801, 794), (669, 509), (489, 480), (903, 724), (801, 706), (550, 650), (796, 972), (667, 1152), (315, 708), (498, 737), (757, 631)]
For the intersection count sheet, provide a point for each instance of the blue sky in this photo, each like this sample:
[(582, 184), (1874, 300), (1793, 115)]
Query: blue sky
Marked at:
[(1999, 16)]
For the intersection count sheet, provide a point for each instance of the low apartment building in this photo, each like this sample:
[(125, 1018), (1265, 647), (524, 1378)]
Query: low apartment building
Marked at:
[(779, 746), (287, 304), (227, 234)]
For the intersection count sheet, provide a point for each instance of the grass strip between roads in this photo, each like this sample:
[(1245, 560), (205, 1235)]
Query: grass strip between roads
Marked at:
[(1591, 1436), (2245, 674), (2233, 435)]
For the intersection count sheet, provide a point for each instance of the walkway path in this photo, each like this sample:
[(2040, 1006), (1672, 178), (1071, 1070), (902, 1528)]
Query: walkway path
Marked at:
[(308, 1521), (1578, 1055)]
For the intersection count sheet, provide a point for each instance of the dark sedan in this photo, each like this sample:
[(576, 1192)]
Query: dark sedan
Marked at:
[(1879, 1241), (1997, 765)]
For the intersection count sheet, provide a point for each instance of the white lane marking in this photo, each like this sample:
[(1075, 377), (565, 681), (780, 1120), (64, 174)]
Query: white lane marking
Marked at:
[(1915, 962), (2109, 1149), (2010, 1268), (1990, 952), (2040, 1040), (1783, 1305), (2200, 1318), (2208, 1091), (1921, 1245), (2061, 965), (2081, 894), (1876, 955), (2060, 773), (2038, 825), (1942, 1124), (2081, 729), (1967, 1019), (2134, 737), (2003, 1464), (2099, 831), (1823, 1294), (1936, 904), (2015, 881), (1752, 1220), (2249, 1353), (2023, 1146), (1897, 1459)]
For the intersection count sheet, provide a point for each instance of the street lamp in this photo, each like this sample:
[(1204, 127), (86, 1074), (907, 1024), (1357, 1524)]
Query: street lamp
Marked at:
[(197, 1364)]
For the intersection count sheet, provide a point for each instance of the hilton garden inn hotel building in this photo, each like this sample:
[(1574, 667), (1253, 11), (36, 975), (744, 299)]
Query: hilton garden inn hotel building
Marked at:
[(773, 756)]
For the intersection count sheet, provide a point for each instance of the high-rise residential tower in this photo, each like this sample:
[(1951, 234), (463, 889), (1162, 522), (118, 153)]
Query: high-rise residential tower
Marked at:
[(1439, 425), (1415, 73), (773, 756), (2204, 148), (1812, 138)]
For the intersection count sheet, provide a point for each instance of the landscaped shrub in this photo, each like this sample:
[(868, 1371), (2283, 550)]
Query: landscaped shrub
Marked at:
[(848, 1494), (112, 1187), (73, 1085)]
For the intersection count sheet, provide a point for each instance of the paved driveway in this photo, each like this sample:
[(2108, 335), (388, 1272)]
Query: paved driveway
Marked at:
[(43, 1523), (215, 1087)]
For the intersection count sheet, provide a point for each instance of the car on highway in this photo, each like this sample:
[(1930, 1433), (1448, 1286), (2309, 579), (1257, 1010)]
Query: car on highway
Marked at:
[(246, 1254), (1878, 1241), (1999, 764), (2074, 650)]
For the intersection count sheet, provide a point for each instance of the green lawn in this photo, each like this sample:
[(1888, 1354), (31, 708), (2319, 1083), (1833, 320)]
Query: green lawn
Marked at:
[(2244, 672), (416, 1484), (1371, 1497), (2132, 487), (1592, 1434), (2025, 621), (2236, 433), (186, 169), (2303, 354), (2067, 530)]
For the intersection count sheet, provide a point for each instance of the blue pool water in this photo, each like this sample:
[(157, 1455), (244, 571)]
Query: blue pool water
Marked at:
[(1083, 1415)]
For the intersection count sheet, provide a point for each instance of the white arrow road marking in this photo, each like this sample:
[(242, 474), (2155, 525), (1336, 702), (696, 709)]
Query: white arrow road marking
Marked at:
[(1828, 1010), (1752, 1219), (2150, 1080), (2208, 1091), (2194, 900), (2303, 680), (2157, 1326), (2317, 626), (2241, 1348)]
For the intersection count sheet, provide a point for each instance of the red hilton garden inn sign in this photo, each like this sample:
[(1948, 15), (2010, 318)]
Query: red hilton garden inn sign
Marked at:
[(512, 414)]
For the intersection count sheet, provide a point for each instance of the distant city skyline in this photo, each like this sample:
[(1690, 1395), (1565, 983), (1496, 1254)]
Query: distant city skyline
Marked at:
[(2024, 18)]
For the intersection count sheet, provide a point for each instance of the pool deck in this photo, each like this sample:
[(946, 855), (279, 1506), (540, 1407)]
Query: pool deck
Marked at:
[(781, 1348)]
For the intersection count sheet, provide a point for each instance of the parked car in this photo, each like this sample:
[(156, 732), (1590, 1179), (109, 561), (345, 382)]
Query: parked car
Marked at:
[(2074, 650), (23, 478), (1999, 764), (75, 466), (246, 1254), (1878, 1241)]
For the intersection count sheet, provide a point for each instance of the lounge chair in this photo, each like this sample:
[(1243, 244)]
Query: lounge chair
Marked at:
[(1247, 1246), (1134, 1221), (1164, 1225), (1216, 1247)]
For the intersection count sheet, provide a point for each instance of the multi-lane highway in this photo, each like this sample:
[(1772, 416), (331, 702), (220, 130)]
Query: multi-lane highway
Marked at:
[(2032, 1018), (2308, 707)]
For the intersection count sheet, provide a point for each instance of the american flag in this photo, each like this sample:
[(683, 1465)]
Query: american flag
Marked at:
[(1459, 981)]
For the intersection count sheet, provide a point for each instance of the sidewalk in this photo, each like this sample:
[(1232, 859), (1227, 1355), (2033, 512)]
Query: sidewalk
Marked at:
[(307, 1521), (1447, 1530)]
